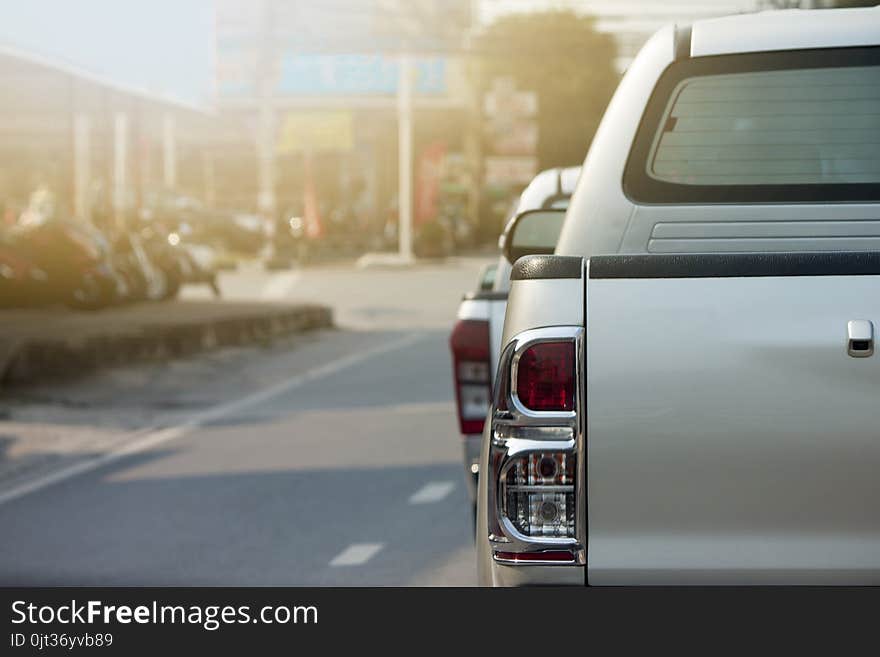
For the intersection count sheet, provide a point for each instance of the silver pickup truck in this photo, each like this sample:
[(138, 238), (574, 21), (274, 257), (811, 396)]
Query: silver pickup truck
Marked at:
[(688, 391), (476, 336)]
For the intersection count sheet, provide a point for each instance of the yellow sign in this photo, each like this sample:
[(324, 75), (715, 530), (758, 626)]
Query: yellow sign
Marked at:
[(316, 131)]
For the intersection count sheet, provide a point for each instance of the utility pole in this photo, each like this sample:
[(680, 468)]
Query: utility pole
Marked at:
[(405, 157), (120, 166), (169, 151), (474, 135), (266, 115), (82, 161)]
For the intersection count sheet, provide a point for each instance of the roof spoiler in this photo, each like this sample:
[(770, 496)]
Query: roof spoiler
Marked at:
[(682, 42)]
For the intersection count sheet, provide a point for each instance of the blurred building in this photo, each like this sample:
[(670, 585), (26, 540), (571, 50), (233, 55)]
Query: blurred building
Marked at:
[(74, 145), (314, 86)]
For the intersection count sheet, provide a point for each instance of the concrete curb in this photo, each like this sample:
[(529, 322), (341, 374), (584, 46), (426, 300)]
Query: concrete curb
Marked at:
[(28, 359)]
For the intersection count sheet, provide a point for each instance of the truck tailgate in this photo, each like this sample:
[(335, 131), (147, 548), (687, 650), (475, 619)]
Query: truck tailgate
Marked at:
[(731, 437)]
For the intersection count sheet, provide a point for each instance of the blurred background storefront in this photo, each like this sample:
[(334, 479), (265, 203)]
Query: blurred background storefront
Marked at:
[(75, 145), (319, 113), (292, 112)]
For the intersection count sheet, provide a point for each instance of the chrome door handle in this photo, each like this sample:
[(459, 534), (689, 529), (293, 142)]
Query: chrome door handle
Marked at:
[(860, 338)]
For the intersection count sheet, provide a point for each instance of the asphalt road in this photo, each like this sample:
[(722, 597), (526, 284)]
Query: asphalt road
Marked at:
[(329, 459)]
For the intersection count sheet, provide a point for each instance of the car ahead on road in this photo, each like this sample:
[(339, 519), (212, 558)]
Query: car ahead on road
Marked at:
[(687, 390), (476, 336)]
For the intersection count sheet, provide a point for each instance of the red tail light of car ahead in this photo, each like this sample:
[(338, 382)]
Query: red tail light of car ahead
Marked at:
[(545, 377), (469, 343)]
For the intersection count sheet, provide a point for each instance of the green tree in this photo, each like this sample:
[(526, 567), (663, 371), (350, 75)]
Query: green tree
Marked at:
[(570, 65)]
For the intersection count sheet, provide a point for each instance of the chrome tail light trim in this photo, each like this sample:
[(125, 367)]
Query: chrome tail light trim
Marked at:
[(517, 431)]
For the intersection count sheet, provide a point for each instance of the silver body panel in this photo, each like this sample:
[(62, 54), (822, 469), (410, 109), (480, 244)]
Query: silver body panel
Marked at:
[(497, 310), (730, 436), (501, 575), (560, 303)]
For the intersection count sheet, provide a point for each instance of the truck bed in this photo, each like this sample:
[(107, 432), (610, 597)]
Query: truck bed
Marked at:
[(731, 437)]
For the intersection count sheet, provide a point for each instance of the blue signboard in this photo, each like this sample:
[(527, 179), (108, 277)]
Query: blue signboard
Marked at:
[(355, 75)]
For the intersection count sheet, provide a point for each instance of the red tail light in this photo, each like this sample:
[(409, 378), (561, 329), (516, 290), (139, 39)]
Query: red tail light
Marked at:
[(545, 377), (470, 360)]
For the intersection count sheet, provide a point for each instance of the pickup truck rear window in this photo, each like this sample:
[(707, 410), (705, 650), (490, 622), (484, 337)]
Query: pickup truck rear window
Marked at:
[(765, 127)]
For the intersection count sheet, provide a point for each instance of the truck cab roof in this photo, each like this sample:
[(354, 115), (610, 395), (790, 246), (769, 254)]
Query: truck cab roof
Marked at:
[(791, 29), (749, 133), (550, 188)]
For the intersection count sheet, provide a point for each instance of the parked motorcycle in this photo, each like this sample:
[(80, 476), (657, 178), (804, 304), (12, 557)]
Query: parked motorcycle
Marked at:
[(22, 283), (176, 259), (76, 262), (148, 277)]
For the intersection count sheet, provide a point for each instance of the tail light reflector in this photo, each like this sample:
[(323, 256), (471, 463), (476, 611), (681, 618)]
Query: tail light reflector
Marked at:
[(539, 494), (545, 377), (469, 343), (559, 556)]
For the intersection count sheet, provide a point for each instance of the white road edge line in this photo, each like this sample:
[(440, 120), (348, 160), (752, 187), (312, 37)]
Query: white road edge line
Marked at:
[(432, 492), (153, 437), (356, 554)]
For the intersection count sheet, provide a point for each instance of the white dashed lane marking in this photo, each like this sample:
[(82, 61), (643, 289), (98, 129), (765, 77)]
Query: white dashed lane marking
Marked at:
[(356, 554), (432, 492)]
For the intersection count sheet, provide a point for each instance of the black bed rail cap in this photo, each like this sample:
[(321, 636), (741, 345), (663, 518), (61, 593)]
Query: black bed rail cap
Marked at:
[(735, 265), (536, 267), (485, 295)]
